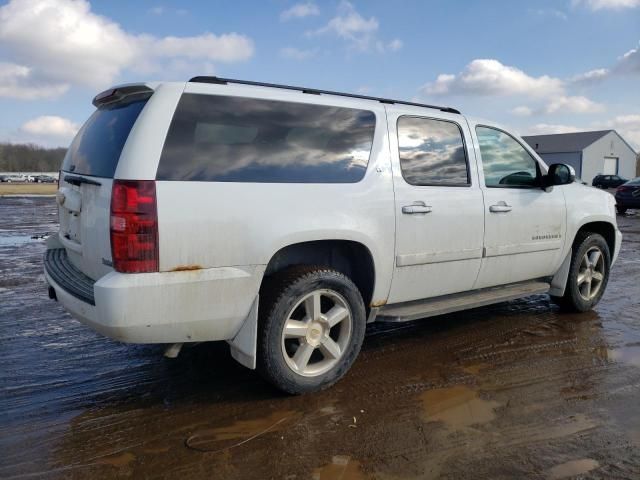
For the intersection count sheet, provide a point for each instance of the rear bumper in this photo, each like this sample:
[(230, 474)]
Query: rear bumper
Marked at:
[(166, 307)]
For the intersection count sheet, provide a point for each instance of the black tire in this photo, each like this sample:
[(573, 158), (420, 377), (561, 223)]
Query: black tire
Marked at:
[(279, 295), (621, 210), (573, 300)]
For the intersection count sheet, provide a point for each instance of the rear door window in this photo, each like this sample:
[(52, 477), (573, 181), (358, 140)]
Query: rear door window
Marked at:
[(215, 138), (96, 149), (432, 152)]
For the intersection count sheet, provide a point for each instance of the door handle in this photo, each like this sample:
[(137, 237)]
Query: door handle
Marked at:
[(417, 207), (500, 207)]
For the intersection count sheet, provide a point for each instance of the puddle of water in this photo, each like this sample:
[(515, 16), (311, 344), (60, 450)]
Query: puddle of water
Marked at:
[(457, 407), (16, 240), (341, 467), (629, 355), (239, 433), (572, 468)]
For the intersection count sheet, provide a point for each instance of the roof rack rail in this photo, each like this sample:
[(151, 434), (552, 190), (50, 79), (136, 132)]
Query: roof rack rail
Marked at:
[(314, 91)]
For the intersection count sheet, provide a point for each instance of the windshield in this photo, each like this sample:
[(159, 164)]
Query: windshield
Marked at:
[(97, 147)]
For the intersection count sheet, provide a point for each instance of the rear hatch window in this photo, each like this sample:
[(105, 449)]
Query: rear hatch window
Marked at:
[(97, 147), (84, 209)]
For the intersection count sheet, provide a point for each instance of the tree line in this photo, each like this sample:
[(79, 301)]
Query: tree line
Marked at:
[(30, 158)]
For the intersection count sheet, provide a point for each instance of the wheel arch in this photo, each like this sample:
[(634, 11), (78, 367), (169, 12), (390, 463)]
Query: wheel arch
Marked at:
[(349, 257), (606, 229)]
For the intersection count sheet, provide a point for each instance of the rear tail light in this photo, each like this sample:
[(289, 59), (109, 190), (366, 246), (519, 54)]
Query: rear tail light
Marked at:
[(622, 189), (134, 226)]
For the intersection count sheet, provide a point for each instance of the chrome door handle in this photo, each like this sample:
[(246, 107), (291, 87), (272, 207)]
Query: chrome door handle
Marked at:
[(418, 207), (500, 207)]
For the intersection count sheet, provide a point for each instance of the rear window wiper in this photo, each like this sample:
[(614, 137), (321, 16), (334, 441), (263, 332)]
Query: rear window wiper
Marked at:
[(75, 180)]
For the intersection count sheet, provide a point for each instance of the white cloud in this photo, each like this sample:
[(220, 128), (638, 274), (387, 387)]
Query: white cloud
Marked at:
[(17, 81), (293, 53), (548, 129), (607, 4), (579, 104), (393, 46), (63, 43), (360, 33), (300, 10), (50, 126), (522, 111), (629, 62), (490, 77), (592, 76), (352, 27), (62, 40), (628, 126), (230, 47)]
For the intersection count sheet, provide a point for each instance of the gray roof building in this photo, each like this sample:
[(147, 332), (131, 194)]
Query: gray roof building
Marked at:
[(589, 153)]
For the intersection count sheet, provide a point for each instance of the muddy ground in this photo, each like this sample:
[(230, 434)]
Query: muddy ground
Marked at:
[(510, 391)]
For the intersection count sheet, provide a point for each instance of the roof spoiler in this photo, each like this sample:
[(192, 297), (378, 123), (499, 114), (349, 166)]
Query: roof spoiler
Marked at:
[(314, 91), (119, 93)]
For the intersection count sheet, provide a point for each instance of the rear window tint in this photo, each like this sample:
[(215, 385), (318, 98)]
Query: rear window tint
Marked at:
[(97, 147), (235, 139)]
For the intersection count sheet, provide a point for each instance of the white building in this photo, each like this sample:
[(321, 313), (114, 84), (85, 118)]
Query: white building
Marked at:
[(589, 153)]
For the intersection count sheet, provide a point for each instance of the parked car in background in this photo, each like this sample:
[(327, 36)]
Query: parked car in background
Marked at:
[(283, 220), (14, 178), (3, 178), (44, 179), (628, 195), (608, 181)]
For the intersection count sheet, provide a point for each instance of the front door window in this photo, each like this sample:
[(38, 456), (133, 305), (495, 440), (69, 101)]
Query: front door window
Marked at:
[(506, 163)]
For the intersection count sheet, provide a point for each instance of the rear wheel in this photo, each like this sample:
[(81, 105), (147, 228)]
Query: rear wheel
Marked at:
[(588, 275), (311, 327), (621, 210)]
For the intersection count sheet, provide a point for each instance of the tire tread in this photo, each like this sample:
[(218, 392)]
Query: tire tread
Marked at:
[(275, 290)]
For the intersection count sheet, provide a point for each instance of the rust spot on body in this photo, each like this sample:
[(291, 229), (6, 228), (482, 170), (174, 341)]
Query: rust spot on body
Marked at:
[(184, 268), (378, 304)]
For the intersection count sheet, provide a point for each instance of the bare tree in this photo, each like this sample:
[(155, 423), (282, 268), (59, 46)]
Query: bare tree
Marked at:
[(29, 158)]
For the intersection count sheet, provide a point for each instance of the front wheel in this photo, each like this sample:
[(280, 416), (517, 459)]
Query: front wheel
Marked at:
[(311, 326), (588, 275)]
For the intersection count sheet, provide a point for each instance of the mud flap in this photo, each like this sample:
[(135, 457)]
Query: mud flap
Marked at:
[(559, 280), (243, 345)]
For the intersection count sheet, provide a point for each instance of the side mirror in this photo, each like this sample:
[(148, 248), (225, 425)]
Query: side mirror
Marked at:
[(559, 174)]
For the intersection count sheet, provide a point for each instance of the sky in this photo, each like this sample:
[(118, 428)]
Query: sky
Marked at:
[(534, 66)]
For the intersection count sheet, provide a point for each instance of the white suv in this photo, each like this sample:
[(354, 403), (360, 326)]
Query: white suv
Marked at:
[(284, 219)]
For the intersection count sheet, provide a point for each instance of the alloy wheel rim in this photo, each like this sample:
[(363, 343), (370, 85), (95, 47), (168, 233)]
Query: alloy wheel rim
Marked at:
[(591, 273), (316, 332)]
